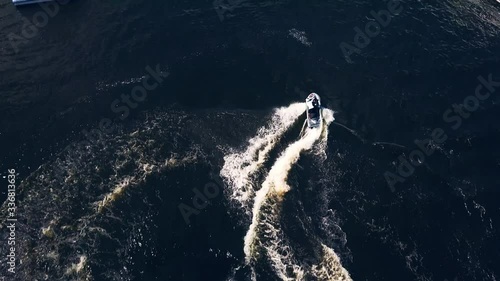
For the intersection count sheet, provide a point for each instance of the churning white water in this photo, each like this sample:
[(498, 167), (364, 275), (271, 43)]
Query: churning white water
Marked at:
[(240, 166), (264, 232)]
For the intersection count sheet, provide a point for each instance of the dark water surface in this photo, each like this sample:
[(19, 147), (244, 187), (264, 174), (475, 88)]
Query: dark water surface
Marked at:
[(108, 208)]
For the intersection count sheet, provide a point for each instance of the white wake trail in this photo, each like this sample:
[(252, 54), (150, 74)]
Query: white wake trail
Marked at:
[(265, 220), (265, 231), (330, 268), (265, 235), (239, 167)]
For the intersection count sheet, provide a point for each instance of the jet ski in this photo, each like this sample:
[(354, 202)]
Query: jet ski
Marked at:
[(313, 103)]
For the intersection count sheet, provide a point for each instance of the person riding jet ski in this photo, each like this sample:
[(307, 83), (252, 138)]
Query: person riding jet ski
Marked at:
[(313, 103)]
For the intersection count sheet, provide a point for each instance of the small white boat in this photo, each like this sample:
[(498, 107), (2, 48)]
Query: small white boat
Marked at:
[(28, 2), (313, 103)]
